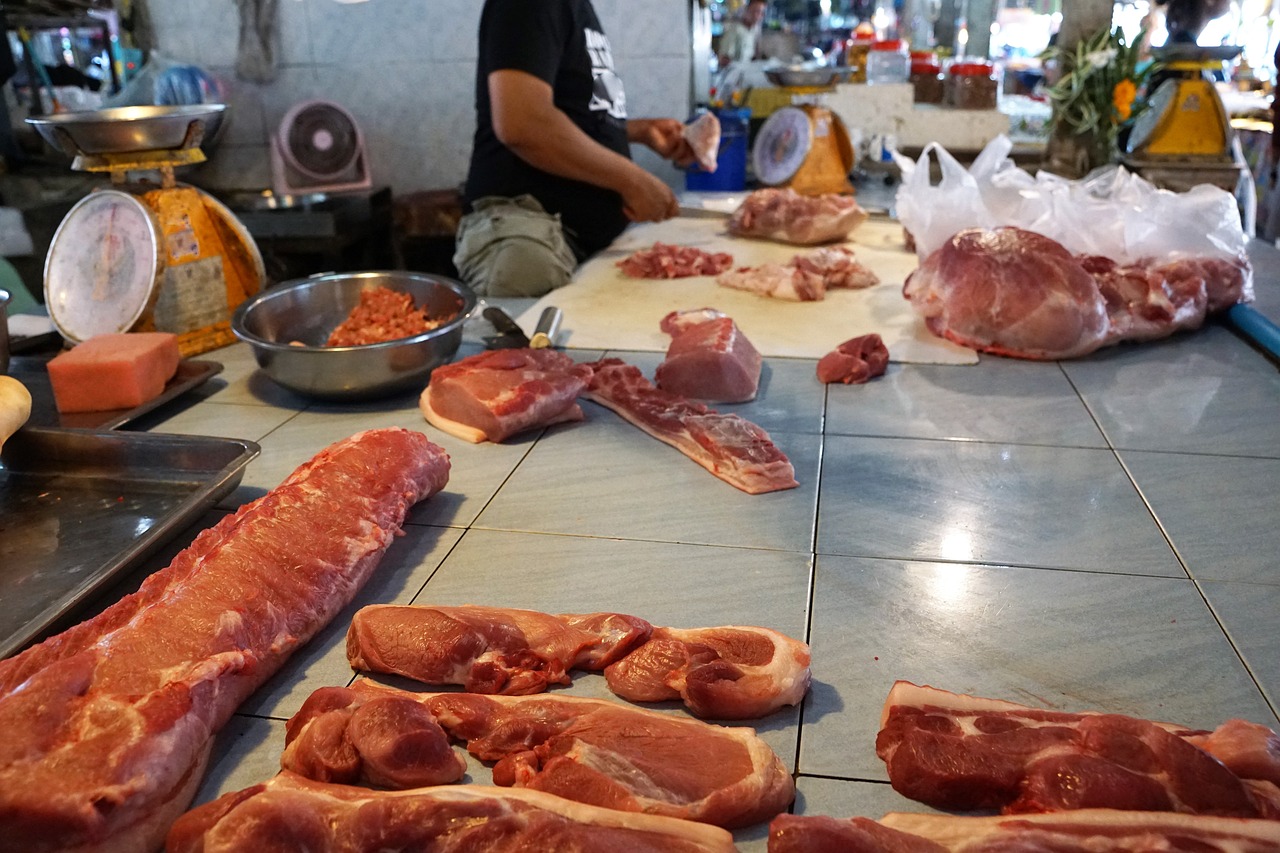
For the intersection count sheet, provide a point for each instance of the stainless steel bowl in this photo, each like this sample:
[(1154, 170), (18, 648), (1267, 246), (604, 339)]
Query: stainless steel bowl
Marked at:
[(307, 310), (797, 76), (122, 130)]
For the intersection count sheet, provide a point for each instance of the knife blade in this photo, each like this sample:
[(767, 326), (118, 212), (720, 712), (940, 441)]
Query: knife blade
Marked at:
[(510, 335)]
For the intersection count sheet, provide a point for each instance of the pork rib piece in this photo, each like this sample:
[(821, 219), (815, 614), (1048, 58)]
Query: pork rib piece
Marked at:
[(960, 752), (108, 725), (1085, 831), (730, 447), (291, 813), (666, 260), (709, 358), (488, 649), (786, 216), (493, 395), (855, 361), (592, 751), (724, 673)]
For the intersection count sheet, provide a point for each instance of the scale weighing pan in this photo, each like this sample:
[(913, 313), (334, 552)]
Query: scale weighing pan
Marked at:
[(123, 130)]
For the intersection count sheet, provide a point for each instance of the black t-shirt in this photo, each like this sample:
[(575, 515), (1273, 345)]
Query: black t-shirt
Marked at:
[(562, 43)]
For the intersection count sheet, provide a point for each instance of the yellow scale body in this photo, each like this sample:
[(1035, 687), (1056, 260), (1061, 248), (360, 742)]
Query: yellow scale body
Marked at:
[(1194, 123), (820, 138)]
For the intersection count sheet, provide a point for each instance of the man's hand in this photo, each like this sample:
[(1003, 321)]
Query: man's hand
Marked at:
[(663, 135), (648, 199)]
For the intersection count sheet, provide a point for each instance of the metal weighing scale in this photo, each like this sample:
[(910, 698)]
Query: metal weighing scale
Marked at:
[(804, 147), (1184, 137), (146, 255)]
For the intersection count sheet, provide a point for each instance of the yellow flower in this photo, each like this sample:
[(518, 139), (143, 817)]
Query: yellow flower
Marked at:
[(1122, 98)]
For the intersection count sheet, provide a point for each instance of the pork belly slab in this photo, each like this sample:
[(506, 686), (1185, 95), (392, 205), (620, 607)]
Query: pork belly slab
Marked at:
[(727, 672), (291, 813), (493, 395), (709, 358), (108, 725), (1087, 831), (964, 753), (597, 752)]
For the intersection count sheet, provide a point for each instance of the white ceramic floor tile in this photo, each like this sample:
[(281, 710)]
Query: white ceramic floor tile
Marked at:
[(235, 420), (1073, 641), (1249, 614), (989, 503), (842, 798), (246, 752)]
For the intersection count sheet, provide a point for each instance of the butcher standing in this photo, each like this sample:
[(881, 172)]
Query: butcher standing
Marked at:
[(551, 180)]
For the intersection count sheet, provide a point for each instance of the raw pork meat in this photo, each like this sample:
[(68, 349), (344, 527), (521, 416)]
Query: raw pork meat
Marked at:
[(1017, 293), (804, 278), (488, 649), (724, 673), (291, 813), (732, 448), (703, 136), (855, 361), (727, 672), (838, 267), (961, 752), (493, 395), (592, 751), (787, 216), (108, 725), (664, 260), (709, 358), (1086, 831)]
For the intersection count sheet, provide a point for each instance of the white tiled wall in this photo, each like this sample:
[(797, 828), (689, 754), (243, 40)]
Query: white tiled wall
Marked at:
[(405, 70)]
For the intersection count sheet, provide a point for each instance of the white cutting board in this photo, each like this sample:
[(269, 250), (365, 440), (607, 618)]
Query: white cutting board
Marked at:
[(604, 309)]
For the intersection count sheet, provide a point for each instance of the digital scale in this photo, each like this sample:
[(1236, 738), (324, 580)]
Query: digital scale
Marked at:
[(804, 147), (146, 255), (1184, 136)]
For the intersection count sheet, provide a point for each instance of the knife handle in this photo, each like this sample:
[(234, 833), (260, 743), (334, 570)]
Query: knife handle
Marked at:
[(548, 326)]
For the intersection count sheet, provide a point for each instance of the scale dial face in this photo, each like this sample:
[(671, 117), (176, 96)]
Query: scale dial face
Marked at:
[(103, 265), (782, 145), (1145, 125)]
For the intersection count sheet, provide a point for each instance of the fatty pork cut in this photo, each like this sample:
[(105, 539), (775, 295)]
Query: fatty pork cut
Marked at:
[(727, 672), (108, 725), (805, 278), (730, 447), (709, 358), (1086, 831), (1016, 293), (596, 752), (788, 217), (294, 814), (960, 752), (493, 395)]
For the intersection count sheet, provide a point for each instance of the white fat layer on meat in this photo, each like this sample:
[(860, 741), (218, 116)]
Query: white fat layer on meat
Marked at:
[(611, 764)]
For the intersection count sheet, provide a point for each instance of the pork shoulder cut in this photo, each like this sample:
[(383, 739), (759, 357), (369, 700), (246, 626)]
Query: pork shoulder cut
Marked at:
[(108, 725), (709, 358), (960, 752), (1085, 831), (493, 395), (292, 813), (786, 216), (593, 751)]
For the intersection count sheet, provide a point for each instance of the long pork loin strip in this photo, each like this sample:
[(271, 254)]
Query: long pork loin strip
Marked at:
[(730, 447), (1085, 831), (108, 726), (291, 813), (959, 752), (593, 751)]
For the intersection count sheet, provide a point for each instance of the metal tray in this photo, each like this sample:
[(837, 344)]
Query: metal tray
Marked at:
[(33, 371), (77, 507), (121, 130)]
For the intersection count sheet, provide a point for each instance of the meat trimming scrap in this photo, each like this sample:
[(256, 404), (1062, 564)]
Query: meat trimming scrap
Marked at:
[(108, 725)]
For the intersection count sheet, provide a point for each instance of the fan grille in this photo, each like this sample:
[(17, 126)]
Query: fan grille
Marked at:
[(322, 141)]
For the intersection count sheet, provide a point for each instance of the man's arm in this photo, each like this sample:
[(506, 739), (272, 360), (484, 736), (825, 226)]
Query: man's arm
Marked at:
[(526, 120)]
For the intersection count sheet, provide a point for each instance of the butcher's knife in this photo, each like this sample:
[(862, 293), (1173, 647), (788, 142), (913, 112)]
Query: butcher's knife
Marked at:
[(511, 336)]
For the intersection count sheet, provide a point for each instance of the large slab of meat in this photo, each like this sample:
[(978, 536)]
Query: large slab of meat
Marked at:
[(960, 752), (788, 217), (709, 358), (291, 813), (668, 260), (1086, 831), (805, 278), (727, 672), (1017, 293), (588, 750), (108, 725), (730, 447), (493, 395)]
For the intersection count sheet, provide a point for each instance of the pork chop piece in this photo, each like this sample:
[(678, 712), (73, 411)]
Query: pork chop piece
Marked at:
[(1010, 292), (289, 812), (960, 752), (597, 752), (1087, 831), (723, 673), (488, 649), (493, 395), (709, 360)]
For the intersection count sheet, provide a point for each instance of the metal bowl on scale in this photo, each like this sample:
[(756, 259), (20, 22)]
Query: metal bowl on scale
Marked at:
[(807, 76), (123, 130)]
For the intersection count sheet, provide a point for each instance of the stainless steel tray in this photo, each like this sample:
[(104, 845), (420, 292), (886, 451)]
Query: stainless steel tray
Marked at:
[(33, 371), (77, 507)]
